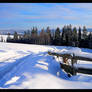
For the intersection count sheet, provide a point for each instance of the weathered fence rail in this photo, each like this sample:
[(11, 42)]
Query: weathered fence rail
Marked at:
[(70, 56), (71, 69)]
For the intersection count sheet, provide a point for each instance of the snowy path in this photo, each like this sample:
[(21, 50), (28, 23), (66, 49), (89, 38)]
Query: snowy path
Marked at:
[(29, 66), (38, 65)]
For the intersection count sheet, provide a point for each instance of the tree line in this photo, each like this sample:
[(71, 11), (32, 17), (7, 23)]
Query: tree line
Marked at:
[(69, 36)]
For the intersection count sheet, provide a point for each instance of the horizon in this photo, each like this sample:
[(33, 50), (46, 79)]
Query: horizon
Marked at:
[(4, 32), (23, 16)]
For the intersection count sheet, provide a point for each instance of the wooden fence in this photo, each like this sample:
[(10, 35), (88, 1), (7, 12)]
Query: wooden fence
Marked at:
[(71, 69)]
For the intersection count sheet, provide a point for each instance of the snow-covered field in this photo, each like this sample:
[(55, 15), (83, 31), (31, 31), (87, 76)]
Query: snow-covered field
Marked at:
[(26, 66)]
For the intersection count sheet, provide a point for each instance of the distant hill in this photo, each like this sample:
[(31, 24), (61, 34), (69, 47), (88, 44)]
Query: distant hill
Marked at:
[(4, 32)]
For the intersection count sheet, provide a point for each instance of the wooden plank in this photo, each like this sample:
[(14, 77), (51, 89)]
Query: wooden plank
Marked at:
[(82, 58), (84, 70), (71, 57), (60, 55), (74, 70)]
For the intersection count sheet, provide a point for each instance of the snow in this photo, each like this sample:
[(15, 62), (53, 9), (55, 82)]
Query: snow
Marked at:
[(5, 37), (14, 79), (29, 66)]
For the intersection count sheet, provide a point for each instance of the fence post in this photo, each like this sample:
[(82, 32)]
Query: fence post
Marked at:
[(72, 62)]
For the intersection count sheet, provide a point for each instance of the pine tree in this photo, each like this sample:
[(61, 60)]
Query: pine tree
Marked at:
[(33, 32), (79, 34), (48, 35), (69, 35), (75, 34), (63, 33), (84, 32), (28, 34), (57, 33), (15, 35), (36, 35), (42, 37), (48, 31), (57, 36), (90, 40), (8, 38), (36, 31), (90, 36)]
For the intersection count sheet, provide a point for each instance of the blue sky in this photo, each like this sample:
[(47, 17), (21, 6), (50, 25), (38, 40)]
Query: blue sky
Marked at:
[(27, 15)]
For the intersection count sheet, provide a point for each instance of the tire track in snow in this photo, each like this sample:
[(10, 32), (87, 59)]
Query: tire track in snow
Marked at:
[(10, 67)]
